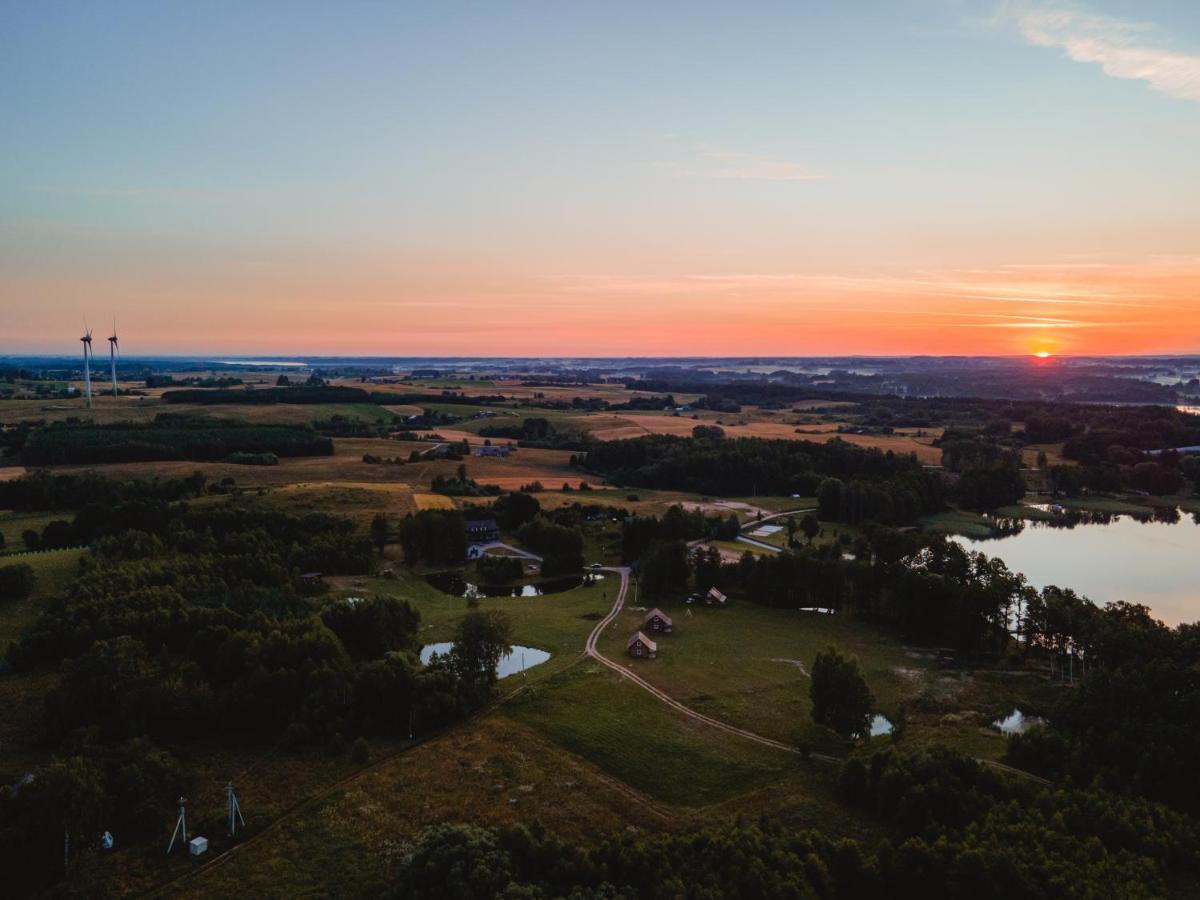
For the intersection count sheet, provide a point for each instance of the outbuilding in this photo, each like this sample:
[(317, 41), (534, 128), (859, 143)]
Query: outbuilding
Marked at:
[(657, 620), (715, 598), (641, 647)]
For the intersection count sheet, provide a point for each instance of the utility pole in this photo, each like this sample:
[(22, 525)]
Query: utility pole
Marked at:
[(235, 809), (180, 825)]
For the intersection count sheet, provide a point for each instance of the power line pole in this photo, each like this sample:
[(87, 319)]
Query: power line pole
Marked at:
[(235, 809), (180, 825)]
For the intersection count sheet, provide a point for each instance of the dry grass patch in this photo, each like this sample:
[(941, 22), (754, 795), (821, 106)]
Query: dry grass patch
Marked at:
[(433, 501)]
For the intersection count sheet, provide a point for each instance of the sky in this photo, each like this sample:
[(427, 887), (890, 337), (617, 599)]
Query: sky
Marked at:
[(607, 178)]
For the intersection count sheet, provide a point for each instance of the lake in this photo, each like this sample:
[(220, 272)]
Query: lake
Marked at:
[(519, 659), (1154, 563)]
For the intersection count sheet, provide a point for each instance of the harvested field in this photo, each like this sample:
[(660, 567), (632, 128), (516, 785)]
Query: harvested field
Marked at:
[(433, 501)]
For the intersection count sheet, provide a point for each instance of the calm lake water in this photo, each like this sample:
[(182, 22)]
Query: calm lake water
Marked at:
[(510, 664), (1153, 563)]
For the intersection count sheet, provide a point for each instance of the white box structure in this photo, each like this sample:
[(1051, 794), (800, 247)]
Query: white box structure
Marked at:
[(198, 846)]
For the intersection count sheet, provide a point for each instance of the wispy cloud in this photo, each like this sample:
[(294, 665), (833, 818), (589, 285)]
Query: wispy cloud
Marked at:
[(1123, 49), (729, 164)]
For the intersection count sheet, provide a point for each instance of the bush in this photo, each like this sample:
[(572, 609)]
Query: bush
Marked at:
[(17, 582)]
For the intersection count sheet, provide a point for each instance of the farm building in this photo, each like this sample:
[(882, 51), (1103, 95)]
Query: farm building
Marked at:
[(640, 646), (715, 598), (657, 620), (490, 450), (482, 531)]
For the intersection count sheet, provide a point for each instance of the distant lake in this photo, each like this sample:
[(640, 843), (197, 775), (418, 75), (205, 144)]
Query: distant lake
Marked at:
[(1153, 563), (519, 659), (272, 363)]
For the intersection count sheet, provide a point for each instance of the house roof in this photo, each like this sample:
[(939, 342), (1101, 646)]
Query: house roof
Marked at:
[(657, 612), (473, 524), (636, 636)]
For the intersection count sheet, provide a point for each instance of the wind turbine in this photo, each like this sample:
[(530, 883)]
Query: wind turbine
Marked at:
[(113, 352), (87, 365)]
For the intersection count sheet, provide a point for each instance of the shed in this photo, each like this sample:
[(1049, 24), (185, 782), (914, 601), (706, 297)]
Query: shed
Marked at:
[(640, 646), (198, 846), (657, 620), (715, 598)]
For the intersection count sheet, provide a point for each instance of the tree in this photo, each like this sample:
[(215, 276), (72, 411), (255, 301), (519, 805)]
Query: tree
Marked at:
[(514, 509), (282, 381), (708, 432), (829, 499), (664, 569), (480, 641), (17, 582), (810, 526), (379, 531), (841, 699), (31, 539)]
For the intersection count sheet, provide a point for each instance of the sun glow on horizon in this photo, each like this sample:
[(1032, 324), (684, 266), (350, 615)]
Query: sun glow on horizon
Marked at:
[(1043, 354)]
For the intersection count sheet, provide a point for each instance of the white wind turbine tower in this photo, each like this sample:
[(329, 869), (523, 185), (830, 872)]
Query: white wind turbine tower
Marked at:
[(87, 365), (113, 352)]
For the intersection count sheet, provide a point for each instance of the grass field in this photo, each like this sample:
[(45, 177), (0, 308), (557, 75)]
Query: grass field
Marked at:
[(631, 735), (558, 623), (54, 569), (747, 664), (13, 524), (959, 521)]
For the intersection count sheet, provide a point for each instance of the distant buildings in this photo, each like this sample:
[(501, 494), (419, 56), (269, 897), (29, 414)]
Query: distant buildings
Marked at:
[(482, 531), (490, 450)]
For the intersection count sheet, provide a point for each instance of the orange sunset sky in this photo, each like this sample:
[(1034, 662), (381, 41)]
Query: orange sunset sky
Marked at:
[(927, 176)]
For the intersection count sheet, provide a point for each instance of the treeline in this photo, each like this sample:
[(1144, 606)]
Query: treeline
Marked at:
[(873, 485), (303, 394), (952, 829), (187, 438), (539, 432), (1133, 721), (43, 491)]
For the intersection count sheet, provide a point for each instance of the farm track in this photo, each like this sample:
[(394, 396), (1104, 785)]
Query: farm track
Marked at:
[(592, 651), (666, 698)]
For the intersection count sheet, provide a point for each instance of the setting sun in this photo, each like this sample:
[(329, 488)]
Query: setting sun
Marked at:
[(1042, 354)]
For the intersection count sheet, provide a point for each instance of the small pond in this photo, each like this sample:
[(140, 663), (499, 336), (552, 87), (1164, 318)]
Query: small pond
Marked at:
[(518, 660), (456, 585), (881, 725), (1016, 722)]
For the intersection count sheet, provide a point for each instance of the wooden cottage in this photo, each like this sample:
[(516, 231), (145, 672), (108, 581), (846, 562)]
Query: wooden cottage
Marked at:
[(657, 620), (641, 647), (715, 598)]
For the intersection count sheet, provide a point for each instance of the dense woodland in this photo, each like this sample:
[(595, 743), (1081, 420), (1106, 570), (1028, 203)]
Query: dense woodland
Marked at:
[(859, 484), (188, 621), (169, 437), (951, 829)]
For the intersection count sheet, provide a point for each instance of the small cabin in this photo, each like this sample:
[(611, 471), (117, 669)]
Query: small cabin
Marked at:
[(715, 598), (657, 620), (482, 531), (641, 647)]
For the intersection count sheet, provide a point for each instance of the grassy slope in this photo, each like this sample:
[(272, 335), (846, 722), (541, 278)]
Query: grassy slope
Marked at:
[(631, 735), (723, 662)]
